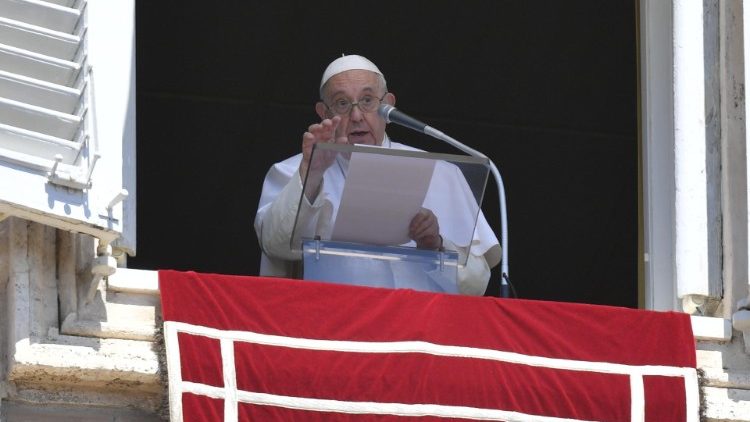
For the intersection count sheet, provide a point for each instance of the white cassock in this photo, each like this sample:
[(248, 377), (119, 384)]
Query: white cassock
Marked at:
[(448, 197)]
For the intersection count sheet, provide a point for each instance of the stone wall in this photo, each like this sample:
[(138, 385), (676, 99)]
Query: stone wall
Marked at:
[(67, 352), (726, 367), (72, 356)]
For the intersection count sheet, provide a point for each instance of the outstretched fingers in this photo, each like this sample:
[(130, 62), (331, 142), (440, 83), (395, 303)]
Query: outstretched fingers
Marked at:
[(325, 131)]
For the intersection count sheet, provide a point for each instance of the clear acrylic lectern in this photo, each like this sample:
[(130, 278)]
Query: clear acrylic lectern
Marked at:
[(353, 218)]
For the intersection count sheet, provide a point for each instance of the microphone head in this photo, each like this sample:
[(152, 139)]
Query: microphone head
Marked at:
[(384, 111)]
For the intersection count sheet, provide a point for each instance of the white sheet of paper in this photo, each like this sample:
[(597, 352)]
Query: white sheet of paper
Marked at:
[(381, 196)]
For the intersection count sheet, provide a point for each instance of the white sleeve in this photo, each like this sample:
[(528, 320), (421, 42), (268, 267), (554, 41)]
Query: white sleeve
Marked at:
[(275, 225), (474, 276)]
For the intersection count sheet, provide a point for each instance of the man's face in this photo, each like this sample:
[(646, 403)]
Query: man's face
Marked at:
[(352, 85)]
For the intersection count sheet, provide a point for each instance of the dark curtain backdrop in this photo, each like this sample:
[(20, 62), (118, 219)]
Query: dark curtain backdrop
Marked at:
[(547, 89)]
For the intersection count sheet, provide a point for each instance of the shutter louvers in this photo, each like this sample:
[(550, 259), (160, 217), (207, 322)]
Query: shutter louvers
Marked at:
[(44, 90), (67, 115)]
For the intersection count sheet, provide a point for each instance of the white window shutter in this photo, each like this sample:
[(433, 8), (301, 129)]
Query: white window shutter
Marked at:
[(67, 115)]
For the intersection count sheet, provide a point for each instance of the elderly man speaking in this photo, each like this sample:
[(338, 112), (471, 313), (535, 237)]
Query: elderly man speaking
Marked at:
[(351, 90)]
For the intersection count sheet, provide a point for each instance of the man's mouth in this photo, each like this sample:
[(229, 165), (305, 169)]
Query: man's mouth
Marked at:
[(357, 135)]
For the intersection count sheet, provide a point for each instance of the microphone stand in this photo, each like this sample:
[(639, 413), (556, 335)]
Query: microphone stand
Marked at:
[(390, 114), (504, 286)]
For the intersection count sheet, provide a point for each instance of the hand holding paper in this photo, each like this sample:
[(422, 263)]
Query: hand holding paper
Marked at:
[(425, 230), (381, 198)]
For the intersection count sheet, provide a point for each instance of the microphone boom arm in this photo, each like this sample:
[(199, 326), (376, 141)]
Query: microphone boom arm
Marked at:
[(390, 114), (428, 130)]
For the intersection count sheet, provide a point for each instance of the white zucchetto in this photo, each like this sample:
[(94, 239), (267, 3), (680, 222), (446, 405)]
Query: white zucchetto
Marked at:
[(344, 63)]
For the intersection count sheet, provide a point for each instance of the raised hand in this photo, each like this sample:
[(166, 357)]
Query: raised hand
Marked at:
[(314, 167)]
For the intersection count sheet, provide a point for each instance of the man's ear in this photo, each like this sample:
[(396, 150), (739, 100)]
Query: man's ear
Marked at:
[(390, 99), (322, 110)]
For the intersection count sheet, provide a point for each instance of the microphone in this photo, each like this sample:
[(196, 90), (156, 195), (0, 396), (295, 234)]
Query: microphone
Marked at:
[(391, 115)]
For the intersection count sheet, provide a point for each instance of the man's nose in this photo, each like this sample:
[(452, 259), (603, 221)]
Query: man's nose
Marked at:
[(356, 113)]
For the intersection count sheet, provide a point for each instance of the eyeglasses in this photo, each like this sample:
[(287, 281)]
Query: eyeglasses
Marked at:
[(366, 104)]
